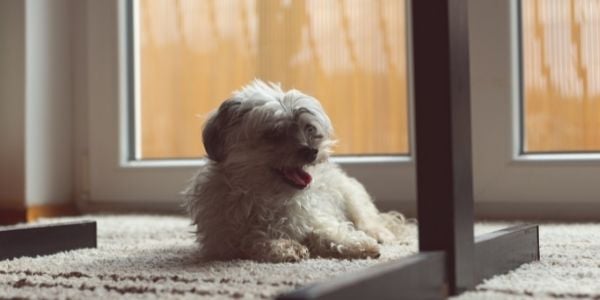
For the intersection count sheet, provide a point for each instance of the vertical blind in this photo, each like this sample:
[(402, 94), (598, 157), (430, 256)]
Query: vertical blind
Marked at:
[(561, 75), (351, 55)]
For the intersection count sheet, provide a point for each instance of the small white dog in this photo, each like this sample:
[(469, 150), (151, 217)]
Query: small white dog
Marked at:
[(268, 191)]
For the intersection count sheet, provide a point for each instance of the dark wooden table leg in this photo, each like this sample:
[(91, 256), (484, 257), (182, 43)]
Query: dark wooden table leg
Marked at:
[(46, 239), (443, 135)]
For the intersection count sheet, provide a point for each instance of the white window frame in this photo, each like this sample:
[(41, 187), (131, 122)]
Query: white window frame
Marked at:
[(547, 185), (115, 182), (506, 182)]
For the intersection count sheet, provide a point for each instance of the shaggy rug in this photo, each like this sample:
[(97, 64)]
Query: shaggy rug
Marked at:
[(155, 257)]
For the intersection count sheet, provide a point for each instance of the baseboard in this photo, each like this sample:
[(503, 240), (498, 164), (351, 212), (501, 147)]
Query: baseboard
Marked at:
[(572, 212), (10, 216), (124, 207), (51, 210), (483, 211), (540, 211)]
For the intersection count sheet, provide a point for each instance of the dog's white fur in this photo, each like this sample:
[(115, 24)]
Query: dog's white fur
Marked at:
[(244, 205)]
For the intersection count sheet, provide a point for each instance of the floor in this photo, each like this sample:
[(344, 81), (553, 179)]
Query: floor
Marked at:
[(142, 256)]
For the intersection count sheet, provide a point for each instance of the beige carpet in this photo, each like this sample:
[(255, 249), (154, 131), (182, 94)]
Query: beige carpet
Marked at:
[(569, 267), (154, 257)]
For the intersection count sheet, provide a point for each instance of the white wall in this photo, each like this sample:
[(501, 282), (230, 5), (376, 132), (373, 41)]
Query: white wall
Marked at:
[(36, 160), (12, 103), (49, 103)]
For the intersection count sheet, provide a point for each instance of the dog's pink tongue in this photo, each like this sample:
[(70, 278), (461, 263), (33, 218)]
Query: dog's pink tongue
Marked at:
[(298, 177)]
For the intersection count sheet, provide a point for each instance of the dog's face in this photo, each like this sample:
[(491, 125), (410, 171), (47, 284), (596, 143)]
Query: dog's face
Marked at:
[(263, 129)]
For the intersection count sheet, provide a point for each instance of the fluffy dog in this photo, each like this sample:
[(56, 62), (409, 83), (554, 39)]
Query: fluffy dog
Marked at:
[(269, 192)]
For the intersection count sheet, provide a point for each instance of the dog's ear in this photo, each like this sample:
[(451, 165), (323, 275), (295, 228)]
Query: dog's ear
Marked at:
[(218, 124)]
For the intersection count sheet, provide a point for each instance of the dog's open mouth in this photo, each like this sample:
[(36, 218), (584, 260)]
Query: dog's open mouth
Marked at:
[(296, 177)]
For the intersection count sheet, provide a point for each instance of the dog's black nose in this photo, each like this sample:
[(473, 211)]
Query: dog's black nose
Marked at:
[(309, 154)]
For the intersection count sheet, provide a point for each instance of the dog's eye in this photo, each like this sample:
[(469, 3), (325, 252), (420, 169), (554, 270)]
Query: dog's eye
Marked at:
[(274, 135), (310, 129)]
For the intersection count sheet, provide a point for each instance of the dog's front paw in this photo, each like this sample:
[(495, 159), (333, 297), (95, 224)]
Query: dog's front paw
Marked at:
[(351, 245), (360, 248), (364, 248), (291, 251), (380, 233), (278, 250)]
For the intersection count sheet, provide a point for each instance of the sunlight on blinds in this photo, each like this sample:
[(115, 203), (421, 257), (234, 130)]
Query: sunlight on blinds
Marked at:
[(351, 55), (561, 66)]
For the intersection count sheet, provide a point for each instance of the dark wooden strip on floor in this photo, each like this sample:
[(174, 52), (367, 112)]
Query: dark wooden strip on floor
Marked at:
[(501, 251), (46, 239), (420, 276)]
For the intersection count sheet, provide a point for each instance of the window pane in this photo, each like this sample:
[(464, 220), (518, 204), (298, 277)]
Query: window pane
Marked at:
[(561, 66), (351, 55)]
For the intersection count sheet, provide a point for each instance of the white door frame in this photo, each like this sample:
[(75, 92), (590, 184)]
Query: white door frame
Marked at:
[(506, 182)]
